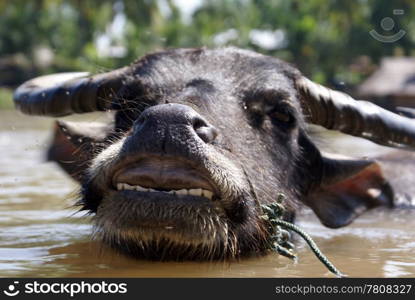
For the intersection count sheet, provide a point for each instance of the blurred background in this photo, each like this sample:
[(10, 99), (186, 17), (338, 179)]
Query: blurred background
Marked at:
[(329, 40)]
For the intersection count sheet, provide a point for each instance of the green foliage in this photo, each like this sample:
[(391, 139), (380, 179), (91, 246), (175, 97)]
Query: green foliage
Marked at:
[(6, 98), (324, 38)]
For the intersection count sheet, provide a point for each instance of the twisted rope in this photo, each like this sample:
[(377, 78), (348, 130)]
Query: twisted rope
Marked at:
[(279, 241)]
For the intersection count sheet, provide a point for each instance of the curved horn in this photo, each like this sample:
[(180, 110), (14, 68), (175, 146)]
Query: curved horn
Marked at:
[(66, 93), (338, 111)]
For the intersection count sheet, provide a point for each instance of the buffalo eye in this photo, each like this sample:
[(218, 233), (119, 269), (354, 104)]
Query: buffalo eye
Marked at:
[(281, 116), (270, 108)]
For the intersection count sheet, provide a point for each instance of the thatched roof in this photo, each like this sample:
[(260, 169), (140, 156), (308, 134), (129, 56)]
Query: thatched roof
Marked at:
[(395, 77)]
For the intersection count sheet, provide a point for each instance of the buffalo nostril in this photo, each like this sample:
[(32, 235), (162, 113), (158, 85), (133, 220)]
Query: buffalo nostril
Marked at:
[(205, 131), (207, 134), (198, 122)]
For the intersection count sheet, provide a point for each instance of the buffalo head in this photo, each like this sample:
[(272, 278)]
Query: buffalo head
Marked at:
[(200, 139)]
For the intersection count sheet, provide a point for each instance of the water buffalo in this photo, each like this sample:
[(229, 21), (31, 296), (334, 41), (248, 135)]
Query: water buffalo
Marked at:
[(199, 140)]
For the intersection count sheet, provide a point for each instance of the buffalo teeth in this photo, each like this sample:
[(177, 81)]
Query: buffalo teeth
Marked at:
[(193, 192), (207, 194), (140, 188), (181, 192), (128, 187)]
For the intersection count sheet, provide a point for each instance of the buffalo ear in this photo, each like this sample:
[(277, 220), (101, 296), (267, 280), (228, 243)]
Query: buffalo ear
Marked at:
[(348, 188), (73, 145)]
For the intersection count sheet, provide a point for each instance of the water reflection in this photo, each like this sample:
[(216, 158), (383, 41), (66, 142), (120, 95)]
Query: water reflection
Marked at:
[(40, 237)]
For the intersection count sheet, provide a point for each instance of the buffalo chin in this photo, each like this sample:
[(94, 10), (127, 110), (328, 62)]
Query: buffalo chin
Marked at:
[(166, 227)]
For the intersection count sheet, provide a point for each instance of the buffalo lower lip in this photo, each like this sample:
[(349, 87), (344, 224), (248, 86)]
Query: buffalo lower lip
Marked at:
[(167, 200)]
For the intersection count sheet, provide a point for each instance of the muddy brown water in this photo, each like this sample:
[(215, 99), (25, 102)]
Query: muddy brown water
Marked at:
[(41, 236)]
